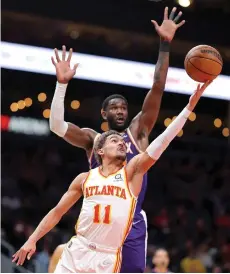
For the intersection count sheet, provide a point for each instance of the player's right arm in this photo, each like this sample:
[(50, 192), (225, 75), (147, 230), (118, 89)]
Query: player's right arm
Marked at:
[(141, 163), (72, 195), (74, 135)]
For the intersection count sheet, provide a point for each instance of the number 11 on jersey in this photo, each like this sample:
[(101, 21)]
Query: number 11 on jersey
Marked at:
[(97, 214)]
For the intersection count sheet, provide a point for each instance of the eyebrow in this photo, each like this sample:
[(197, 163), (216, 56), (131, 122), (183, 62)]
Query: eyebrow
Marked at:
[(115, 136), (114, 104)]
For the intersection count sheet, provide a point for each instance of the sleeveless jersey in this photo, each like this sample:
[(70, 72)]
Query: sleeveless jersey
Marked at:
[(132, 150), (107, 210)]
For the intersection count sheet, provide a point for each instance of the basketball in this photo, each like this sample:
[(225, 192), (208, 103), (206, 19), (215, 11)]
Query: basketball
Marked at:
[(203, 63)]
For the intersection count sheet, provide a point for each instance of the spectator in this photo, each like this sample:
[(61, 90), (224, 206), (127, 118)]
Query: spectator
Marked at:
[(191, 264)]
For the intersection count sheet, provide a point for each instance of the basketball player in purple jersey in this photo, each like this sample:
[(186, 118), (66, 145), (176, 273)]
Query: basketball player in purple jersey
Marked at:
[(115, 111)]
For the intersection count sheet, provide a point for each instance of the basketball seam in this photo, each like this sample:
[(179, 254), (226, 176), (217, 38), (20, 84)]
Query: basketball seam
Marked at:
[(202, 70), (205, 58), (204, 47)]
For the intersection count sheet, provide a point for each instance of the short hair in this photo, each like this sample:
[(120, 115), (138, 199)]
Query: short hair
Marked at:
[(114, 96), (100, 143)]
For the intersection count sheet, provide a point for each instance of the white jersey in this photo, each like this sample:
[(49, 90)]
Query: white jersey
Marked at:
[(107, 210)]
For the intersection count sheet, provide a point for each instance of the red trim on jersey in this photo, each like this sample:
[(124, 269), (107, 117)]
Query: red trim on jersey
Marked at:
[(99, 170), (85, 181)]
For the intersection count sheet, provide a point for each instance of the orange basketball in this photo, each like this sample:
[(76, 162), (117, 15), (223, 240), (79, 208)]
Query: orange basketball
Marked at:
[(203, 63)]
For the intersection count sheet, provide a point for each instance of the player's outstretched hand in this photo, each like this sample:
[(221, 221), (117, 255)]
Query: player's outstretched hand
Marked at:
[(63, 71), (169, 26), (195, 97), (26, 251)]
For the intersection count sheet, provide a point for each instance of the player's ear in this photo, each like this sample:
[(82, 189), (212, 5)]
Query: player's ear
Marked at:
[(103, 114), (100, 151)]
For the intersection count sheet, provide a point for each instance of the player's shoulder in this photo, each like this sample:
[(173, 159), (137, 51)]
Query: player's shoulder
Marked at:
[(80, 179), (89, 174), (93, 172), (83, 175)]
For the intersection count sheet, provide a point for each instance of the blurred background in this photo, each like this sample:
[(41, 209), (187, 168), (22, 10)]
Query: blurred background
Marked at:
[(188, 197)]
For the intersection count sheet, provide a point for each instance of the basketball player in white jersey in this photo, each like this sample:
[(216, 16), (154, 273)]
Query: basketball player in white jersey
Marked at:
[(110, 194)]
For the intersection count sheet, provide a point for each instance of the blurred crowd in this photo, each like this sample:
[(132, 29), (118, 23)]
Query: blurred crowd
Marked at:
[(187, 202)]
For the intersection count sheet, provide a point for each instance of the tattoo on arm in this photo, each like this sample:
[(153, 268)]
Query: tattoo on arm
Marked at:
[(151, 106), (162, 64)]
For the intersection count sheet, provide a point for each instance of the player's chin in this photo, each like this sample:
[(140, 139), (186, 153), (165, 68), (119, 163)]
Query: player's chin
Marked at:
[(120, 126), (121, 156)]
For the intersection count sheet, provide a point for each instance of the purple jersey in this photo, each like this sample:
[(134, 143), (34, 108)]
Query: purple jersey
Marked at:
[(132, 150)]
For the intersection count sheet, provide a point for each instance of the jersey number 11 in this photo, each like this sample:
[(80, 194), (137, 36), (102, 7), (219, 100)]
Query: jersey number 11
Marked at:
[(97, 213)]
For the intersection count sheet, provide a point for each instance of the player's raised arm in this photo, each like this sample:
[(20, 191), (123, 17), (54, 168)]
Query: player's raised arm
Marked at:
[(143, 123), (51, 219), (71, 133), (141, 163)]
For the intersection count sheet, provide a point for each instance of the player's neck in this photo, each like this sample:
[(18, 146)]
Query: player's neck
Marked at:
[(120, 131), (110, 168)]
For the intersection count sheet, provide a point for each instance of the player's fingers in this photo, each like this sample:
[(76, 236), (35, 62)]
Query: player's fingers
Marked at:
[(172, 14), (75, 67), (53, 61), (70, 55), (178, 17), (15, 257), (203, 87), (210, 81), (155, 24), (57, 56), (181, 24), (19, 257), (63, 52), (22, 257), (166, 13), (206, 84), (30, 254)]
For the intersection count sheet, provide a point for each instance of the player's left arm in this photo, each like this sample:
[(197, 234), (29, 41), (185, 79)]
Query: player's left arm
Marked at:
[(72, 195), (143, 123), (141, 163)]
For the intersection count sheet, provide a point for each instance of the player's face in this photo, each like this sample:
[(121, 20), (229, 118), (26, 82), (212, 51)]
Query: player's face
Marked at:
[(115, 147), (161, 258), (116, 114)]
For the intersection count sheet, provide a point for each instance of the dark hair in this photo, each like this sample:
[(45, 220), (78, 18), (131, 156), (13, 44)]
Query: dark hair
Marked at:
[(114, 96), (100, 143)]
